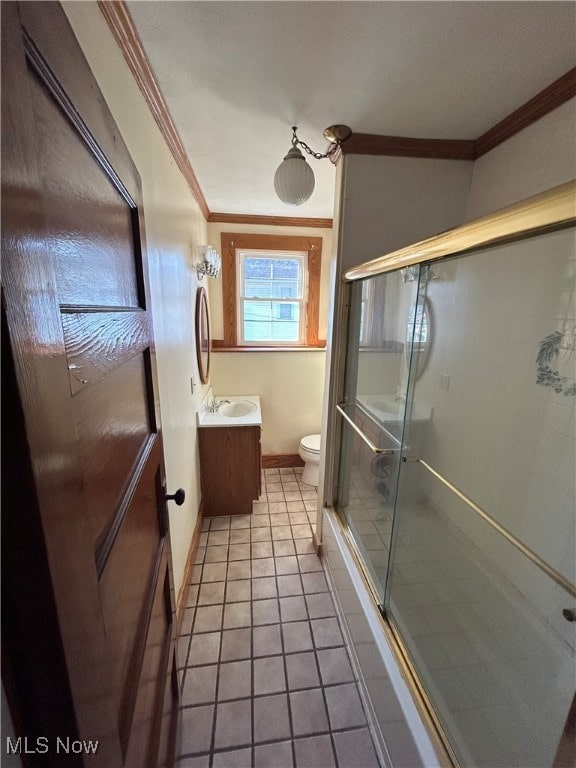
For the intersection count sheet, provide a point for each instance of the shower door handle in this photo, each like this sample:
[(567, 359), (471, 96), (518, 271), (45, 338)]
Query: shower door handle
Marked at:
[(374, 448)]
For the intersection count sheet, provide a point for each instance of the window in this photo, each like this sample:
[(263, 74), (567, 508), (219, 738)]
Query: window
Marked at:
[(271, 297), (270, 291), (366, 312)]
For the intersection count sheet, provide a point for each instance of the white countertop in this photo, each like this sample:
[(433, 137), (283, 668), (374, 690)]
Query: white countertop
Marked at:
[(386, 408), (206, 419)]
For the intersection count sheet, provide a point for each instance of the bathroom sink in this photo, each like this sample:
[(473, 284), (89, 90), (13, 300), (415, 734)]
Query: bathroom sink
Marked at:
[(389, 408), (236, 409), (388, 405), (232, 411)]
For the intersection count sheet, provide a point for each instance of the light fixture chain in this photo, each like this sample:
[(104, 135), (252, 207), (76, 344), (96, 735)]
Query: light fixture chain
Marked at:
[(306, 148), (317, 155)]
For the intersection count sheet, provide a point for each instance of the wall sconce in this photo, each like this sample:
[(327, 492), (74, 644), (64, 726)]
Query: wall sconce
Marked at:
[(411, 274), (294, 178), (210, 262)]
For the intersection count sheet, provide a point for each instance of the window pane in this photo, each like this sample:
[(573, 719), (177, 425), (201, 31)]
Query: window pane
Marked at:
[(262, 289), (286, 269), (254, 311), (271, 321), (284, 331), (254, 267), (284, 277)]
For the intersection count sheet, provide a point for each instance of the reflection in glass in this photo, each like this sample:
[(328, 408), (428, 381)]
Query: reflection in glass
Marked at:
[(419, 335), (375, 371)]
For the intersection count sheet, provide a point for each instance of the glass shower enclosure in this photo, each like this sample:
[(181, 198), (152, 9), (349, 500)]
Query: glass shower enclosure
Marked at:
[(456, 483)]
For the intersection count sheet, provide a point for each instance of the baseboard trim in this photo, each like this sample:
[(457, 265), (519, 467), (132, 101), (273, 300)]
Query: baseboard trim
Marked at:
[(273, 460), (192, 552)]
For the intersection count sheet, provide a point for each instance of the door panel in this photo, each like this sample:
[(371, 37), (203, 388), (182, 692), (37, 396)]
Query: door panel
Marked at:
[(112, 418), (126, 588), (168, 731), (85, 212), (97, 343), (146, 731), (74, 291)]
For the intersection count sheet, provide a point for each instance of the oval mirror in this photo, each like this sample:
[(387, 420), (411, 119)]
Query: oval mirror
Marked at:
[(202, 335), (419, 335)]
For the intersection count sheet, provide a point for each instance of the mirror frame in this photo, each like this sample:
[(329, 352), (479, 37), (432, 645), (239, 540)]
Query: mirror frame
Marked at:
[(203, 340)]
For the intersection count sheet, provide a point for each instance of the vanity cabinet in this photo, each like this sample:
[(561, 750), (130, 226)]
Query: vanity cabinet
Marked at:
[(230, 469)]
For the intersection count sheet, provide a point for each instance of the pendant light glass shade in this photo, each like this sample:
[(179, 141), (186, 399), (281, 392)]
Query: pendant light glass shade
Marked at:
[(294, 179)]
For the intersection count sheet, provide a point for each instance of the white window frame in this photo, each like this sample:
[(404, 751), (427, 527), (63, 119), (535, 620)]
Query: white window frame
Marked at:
[(302, 256), (367, 310)]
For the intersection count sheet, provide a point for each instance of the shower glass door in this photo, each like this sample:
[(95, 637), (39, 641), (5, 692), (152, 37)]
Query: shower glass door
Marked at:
[(466, 370), (372, 415)]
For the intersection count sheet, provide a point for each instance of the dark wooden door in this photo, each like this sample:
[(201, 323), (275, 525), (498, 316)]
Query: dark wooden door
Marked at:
[(88, 626)]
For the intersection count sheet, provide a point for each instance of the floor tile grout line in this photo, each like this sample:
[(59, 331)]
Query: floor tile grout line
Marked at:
[(252, 674), (270, 742), (321, 682), (303, 595), (273, 693), (288, 700)]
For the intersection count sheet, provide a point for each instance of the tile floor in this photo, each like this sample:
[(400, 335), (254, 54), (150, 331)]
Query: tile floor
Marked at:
[(266, 678)]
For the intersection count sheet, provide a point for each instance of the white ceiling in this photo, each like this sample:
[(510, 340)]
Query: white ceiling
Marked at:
[(237, 75)]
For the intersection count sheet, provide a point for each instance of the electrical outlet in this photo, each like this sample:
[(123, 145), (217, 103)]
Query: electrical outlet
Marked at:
[(444, 382)]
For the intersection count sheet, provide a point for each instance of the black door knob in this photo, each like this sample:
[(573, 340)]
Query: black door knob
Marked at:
[(177, 498)]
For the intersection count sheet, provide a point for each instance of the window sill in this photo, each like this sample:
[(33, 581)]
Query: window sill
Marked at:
[(216, 349), (386, 346)]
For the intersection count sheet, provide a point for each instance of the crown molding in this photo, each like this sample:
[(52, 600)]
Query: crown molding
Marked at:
[(120, 22), (404, 146), (272, 221), (551, 97)]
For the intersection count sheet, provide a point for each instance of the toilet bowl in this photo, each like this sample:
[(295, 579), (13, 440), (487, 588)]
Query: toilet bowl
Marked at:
[(309, 450)]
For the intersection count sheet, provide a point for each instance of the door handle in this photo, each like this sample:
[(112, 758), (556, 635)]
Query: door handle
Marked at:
[(177, 498)]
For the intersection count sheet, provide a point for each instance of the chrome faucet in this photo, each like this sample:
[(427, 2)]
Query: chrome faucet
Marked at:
[(215, 404)]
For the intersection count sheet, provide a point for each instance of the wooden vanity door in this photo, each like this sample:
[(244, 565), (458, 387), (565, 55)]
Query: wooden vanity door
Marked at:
[(86, 547), (230, 468)]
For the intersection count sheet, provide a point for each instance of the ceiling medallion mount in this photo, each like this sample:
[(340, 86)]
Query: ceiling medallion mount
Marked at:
[(294, 180), (337, 133)]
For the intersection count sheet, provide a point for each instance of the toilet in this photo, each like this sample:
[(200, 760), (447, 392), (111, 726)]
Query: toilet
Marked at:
[(309, 450)]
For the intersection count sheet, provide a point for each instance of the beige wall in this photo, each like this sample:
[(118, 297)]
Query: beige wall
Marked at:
[(390, 202), (290, 384), (174, 226), (538, 158)]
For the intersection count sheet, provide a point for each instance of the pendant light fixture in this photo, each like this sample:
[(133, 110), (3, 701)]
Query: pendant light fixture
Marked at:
[(294, 178)]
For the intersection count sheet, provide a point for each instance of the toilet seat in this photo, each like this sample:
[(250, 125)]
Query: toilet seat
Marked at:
[(311, 443)]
